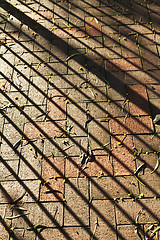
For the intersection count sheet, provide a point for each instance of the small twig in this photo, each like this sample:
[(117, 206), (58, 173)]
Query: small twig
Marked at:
[(95, 228), (68, 148), (36, 227), (13, 217), (17, 144), (55, 212), (138, 179), (140, 168), (43, 114), (74, 54), (156, 230), (88, 121), (101, 146), (92, 92), (29, 141), (157, 165), (4, 214)]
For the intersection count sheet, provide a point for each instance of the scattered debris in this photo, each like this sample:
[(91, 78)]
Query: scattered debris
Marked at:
[(157, 165), (4, 214), (157, 119), (140, 168), (29, 141), (17, 216), (95, 228), (17, 144), (74, 54)]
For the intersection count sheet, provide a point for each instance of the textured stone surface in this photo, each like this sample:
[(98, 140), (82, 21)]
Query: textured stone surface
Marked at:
[(123, 163), (79, 76), (105, 215), (128, 64), (131, 125), (12, 190), (139, 104), (52, 190), (46, 129), (130, 210), (80, 208), (43, 214), (110, 188)]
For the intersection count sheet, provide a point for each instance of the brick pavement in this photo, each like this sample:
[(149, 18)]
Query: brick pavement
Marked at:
[(79, 146)]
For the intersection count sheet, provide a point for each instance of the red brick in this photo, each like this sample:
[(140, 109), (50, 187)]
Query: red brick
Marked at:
[(138, 98), (93, 27), (55, 112), (131, 125), (69, 32), (52, 167), (76, 32), (55, 191), (128, 64), (72, 167), (123, 155), (100, 164), (49, 128), (153, 91)]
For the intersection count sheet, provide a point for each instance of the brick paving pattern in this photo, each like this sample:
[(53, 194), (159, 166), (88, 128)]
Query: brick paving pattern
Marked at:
[(79, 119)]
